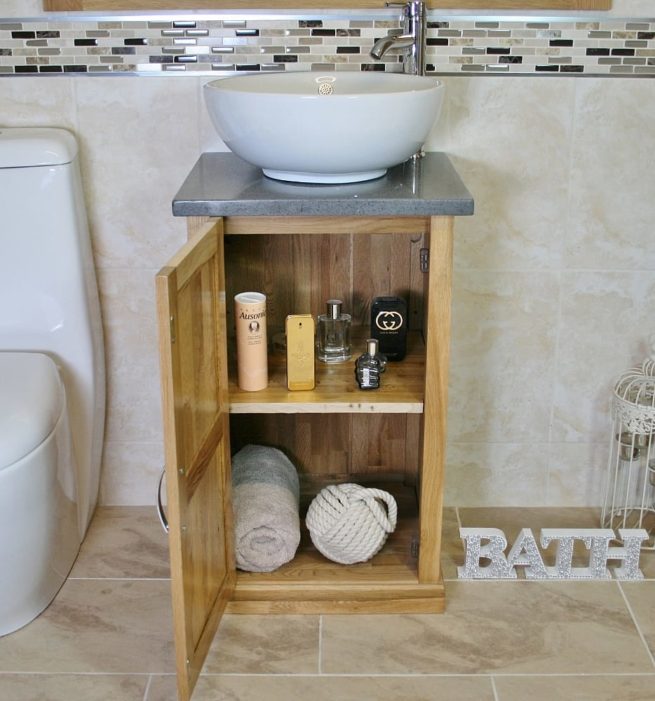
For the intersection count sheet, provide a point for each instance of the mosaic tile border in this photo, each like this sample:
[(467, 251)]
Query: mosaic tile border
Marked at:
[(204, 45)]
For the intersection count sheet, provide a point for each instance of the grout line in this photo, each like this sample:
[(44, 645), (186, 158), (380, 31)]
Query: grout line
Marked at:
[(559, 276), (493, 688), (634, 620), (119, 579), (56, 673), (336, 675), (146, 691), (431, 675)]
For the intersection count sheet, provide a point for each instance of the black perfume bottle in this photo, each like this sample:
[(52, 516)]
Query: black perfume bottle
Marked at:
[(389, 326), (369, 366)]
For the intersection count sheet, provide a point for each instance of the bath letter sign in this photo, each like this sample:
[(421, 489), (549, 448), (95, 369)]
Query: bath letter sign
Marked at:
[(490, 543)]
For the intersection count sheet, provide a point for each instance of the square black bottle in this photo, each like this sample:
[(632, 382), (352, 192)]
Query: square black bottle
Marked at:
[(389, 326)]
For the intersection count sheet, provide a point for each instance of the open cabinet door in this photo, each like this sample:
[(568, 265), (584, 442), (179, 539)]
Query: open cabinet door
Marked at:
[(191, 315)]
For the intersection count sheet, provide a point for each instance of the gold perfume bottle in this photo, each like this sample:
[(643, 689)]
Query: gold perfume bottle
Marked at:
[(300, 351)]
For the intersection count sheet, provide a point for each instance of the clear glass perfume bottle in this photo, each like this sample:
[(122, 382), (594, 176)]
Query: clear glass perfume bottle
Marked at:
[(370, 366), (333, 334)]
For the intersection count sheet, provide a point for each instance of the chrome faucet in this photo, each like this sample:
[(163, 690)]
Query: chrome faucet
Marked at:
[(411, 38)]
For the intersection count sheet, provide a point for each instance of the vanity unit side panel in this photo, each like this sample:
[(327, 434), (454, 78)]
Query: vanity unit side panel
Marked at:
[(433, 436)]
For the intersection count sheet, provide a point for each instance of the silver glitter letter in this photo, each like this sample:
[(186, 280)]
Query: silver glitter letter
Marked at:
[(492, 550), (563, 563), (525, 552), (599, 554), (632, 539)]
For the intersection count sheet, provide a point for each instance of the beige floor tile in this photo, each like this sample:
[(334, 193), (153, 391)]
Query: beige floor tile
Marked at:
[(322, 688), (123, 541), (599, 688), (97, 626), (509, 627), (70, 687), (264, 645), (641, 597)]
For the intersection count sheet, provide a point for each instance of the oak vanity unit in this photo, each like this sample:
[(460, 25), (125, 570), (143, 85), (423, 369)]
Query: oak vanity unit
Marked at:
[(302, 245)]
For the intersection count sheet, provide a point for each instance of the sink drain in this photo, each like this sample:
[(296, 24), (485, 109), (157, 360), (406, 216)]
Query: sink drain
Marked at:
[(325, 85)]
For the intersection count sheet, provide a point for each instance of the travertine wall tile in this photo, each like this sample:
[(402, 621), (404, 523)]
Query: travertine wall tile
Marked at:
[(128, 303), (502, 356), (139, 138), (606, 319), (510, 140), (612, 182), (502, 474)]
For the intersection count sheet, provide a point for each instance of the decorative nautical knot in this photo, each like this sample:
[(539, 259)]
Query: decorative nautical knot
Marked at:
[(348, 523)]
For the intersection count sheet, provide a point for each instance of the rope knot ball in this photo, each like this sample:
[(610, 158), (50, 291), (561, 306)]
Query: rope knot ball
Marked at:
[(349, 523)]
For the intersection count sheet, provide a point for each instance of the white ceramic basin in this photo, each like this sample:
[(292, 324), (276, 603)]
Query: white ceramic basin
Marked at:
[(324, 128)]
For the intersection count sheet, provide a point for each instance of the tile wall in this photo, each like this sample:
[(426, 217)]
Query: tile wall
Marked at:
[(554, 275), (455, 44)]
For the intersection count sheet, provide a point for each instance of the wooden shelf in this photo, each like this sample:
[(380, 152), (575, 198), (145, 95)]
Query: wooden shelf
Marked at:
[(336, 392)]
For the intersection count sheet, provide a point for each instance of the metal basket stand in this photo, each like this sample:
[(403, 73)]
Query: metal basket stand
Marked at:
[(630, 490)]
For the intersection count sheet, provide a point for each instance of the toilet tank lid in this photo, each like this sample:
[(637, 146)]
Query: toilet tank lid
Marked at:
[(32, 399), (25, 147)]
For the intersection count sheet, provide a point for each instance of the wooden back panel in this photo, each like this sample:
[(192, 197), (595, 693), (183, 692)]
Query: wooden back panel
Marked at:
[(299, 273)]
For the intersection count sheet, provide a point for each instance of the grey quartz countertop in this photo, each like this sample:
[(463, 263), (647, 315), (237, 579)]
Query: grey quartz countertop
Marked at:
[(221, 184)]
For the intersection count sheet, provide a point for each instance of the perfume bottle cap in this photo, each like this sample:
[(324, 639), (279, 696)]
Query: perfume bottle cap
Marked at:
[(334, 308), (372, 346)]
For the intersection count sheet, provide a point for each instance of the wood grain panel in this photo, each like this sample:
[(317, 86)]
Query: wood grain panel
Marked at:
[(191, 303), (436, 397), (381, 266), (77, 5), (324, 225), (380, 444)]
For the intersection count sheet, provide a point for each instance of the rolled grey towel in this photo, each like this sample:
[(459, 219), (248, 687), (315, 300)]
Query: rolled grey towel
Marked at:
[(266, 494)]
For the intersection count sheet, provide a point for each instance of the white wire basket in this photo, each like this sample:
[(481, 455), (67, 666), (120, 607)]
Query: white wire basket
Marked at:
[(630, 490)]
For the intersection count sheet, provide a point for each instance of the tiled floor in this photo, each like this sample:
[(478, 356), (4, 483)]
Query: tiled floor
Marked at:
[(107, 636)]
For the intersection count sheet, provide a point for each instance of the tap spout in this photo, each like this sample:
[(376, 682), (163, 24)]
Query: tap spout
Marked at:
[(391, 41)]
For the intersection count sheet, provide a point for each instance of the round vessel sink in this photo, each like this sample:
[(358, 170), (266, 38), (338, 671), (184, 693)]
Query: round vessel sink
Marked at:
[(324, 127)]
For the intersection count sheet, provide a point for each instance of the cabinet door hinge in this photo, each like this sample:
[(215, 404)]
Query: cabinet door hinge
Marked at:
[(171, 322), (414, 546), (424, 257)]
